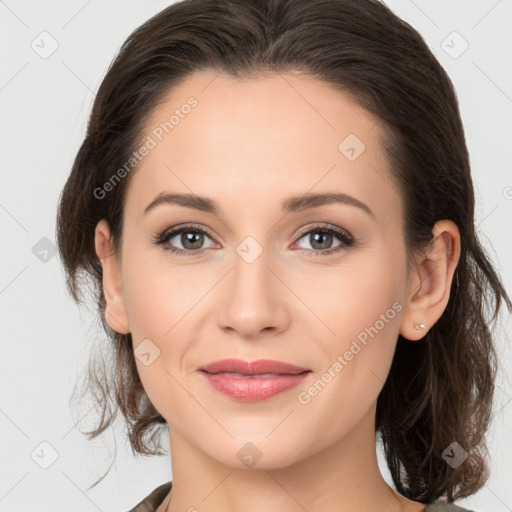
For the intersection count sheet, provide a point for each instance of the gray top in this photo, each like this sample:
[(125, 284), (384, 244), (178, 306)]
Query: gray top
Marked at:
[(151, 502)]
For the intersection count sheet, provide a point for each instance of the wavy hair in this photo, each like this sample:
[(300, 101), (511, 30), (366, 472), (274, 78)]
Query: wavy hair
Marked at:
[(440, 389)]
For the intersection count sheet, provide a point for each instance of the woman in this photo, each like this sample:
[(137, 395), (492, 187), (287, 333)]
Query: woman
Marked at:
[(274, 202)]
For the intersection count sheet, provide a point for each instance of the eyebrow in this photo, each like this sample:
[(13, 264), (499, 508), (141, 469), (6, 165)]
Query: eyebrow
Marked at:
[(293, 204)]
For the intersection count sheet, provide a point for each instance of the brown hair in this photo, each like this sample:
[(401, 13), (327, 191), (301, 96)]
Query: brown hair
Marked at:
[(440, 389)]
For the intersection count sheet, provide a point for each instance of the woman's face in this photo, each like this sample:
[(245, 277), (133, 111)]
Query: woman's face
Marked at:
[(263, 279)]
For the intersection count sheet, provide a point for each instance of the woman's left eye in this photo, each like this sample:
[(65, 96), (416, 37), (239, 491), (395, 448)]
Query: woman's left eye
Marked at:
[(321, 239), (192, 238)]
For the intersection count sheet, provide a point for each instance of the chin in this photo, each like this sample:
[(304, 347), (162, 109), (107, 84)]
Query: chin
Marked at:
[(256, 453)]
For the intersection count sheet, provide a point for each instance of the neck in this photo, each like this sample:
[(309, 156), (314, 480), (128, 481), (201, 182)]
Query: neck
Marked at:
[(343, 477)]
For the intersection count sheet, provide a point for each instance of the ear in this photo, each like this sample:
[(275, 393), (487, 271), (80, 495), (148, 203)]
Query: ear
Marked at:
[(431, 281), (115, 312)]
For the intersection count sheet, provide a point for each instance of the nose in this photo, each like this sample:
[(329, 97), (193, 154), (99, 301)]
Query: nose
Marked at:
[(254, 299)]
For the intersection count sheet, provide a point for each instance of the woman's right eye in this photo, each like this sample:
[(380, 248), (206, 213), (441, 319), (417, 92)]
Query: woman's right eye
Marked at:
[(190, 238)]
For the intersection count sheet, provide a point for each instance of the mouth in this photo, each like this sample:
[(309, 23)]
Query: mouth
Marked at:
[(253, 381), (246, 376), (254, 368)]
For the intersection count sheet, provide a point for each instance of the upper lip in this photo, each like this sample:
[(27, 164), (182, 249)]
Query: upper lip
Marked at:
[(251, 367)]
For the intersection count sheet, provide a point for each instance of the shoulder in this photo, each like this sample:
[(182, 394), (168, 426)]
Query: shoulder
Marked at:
[(442, 506), (153, 500)]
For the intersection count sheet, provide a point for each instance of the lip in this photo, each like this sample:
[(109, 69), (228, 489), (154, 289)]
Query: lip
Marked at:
[(257, 367), (253, 381)]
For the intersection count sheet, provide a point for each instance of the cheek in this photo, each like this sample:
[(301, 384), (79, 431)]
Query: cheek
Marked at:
[(164, 306), (156, 295), (360, 305), (160, 309), (352, 295), (372, 319), (357, 358)]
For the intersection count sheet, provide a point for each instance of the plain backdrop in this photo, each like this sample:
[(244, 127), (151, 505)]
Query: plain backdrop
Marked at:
[(45, 338)]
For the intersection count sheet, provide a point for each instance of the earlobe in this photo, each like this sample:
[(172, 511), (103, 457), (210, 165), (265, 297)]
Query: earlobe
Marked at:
[(115, 310), (431, 282)]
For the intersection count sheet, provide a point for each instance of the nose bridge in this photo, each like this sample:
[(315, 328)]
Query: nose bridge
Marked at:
[(250, 273), (252, 300)]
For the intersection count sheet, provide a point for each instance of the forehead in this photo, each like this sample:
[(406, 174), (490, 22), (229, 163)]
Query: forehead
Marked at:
[(254, 141)]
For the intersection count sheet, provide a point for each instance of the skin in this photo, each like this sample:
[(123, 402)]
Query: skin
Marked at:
[(249, 145)]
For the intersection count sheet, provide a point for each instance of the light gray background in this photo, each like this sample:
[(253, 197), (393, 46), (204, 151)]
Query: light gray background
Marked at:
[(45, 338)]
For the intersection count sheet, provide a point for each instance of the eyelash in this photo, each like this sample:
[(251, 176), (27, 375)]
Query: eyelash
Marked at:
[(342, 235)]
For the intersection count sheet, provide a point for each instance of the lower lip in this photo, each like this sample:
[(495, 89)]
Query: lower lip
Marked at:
[(254, 389)]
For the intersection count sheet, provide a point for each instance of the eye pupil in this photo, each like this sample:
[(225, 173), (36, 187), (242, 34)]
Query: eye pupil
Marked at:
[(194, 237), (317, 238)]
